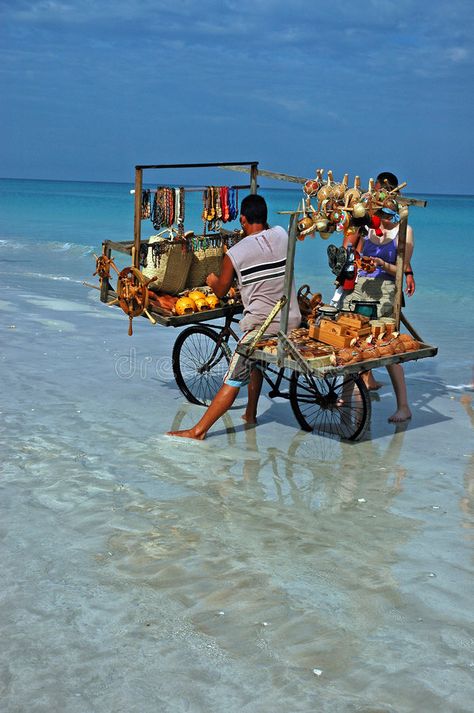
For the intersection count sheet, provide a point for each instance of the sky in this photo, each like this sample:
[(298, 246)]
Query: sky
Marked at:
[(90, 88)]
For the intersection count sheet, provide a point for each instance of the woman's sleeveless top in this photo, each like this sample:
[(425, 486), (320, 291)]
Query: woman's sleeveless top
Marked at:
[(386, 252)]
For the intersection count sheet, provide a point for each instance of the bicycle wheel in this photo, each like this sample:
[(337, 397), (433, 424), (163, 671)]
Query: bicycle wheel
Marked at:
[(200, 359), (332, 405)]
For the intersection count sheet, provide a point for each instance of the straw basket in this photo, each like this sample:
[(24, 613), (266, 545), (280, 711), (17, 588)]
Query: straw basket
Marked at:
[(171, 266), (204, 261)]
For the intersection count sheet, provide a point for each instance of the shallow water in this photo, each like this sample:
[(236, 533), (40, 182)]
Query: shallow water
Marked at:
[(261, 570)]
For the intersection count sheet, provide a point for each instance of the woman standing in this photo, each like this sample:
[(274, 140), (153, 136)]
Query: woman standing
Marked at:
[(378, 286)]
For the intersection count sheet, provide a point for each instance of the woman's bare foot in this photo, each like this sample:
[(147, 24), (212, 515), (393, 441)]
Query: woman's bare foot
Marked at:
[(400, 415), (188, 433), (249, 420)]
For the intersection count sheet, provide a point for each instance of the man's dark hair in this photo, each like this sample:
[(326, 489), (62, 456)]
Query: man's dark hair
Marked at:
[(387, 179), (254, 208)]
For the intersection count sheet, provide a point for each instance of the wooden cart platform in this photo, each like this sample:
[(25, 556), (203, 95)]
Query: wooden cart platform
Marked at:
[(425, 351), (165, 319)]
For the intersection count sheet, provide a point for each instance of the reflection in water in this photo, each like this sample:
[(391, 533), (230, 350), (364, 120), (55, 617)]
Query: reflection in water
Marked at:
[(283, 555), (467, 501)]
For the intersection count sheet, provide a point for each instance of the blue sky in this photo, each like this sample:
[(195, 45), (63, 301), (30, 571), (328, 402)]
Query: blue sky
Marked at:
[(90, 88)]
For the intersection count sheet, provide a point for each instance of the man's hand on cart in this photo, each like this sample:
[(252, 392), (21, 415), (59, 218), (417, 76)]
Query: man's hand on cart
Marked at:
[(220, 284), (211, 280)]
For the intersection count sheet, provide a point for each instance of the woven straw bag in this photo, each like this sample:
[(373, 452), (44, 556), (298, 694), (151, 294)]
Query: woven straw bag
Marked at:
[(204, 261), (171, 268)]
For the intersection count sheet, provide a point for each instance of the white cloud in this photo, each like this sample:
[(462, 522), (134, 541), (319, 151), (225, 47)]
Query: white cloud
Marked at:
[(458, 54)]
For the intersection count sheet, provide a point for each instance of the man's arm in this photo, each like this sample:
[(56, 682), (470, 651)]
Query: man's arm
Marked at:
[(220, 285)]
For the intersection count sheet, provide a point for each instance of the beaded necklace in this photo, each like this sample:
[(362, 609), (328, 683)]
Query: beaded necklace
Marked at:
[(146, 204), (157, 211)]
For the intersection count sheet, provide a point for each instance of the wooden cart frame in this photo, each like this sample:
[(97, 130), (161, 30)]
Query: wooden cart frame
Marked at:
[(325, 388)]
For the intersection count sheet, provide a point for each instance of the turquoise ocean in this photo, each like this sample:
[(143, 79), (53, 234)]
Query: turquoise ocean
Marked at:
[(49, 230), (263, 570)]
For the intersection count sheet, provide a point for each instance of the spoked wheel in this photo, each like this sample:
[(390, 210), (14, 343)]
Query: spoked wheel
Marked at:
[(200, 360), (332, 406)]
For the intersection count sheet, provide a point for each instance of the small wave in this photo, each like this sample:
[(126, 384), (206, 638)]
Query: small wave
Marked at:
[(56, 246), (460, 387), (10, 244), (46, 276)]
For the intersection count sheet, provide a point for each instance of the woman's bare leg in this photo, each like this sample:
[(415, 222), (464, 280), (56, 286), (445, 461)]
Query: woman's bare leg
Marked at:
[(397, 377)]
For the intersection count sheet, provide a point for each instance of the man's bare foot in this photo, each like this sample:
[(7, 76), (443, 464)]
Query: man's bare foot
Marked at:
[(188, 433), (249, 420), (370, 382), (402, 414)]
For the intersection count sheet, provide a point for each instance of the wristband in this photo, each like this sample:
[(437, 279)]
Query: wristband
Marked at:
[(408, 272)]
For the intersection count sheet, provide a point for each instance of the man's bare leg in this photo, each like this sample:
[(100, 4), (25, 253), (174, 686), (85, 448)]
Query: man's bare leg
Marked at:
[(221, 403), (397, 377), (370, 382), (254, 389)]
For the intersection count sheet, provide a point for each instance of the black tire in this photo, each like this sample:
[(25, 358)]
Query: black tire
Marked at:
[(331, 406), (200, 359)]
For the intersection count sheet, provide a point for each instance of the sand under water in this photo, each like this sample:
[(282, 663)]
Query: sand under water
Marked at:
[(262, 570)]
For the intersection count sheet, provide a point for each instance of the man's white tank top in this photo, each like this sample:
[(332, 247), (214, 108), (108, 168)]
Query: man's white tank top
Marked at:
[(259, 261)]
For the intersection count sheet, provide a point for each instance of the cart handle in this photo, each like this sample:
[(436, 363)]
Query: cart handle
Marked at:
[(248, 350)]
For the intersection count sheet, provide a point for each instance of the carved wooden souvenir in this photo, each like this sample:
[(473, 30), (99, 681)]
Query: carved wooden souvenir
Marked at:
[(325, 190), (352, 195), (339, 189)]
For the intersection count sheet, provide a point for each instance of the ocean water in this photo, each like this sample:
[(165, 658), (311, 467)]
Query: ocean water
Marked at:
[(262, 570)]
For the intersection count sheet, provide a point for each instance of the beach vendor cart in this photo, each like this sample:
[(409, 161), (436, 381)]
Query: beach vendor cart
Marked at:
[(317, 367)]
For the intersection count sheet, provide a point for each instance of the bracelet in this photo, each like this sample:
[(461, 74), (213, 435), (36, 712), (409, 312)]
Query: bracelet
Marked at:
[(408, 272)]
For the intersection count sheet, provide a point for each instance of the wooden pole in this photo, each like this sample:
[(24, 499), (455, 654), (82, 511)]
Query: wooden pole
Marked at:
[(137, 223), (289, 274), (400, 263), (253, 177)]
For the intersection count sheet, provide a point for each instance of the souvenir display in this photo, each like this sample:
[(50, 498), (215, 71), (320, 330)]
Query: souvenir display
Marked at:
[(213, 301), (196, 295), (316, 354), (167, 208), (185, 305), (320, 365), (201, 304), (166, 303), (344, 209), (347, 356), (332, 343), (308, 302), (220, 205)]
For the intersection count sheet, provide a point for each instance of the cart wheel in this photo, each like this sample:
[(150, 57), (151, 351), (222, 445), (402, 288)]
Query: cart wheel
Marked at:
[(200, 360), (332, 406)]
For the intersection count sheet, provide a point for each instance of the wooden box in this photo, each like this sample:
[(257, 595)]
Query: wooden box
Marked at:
[(358, 333), (354, 320), (330, 335)]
